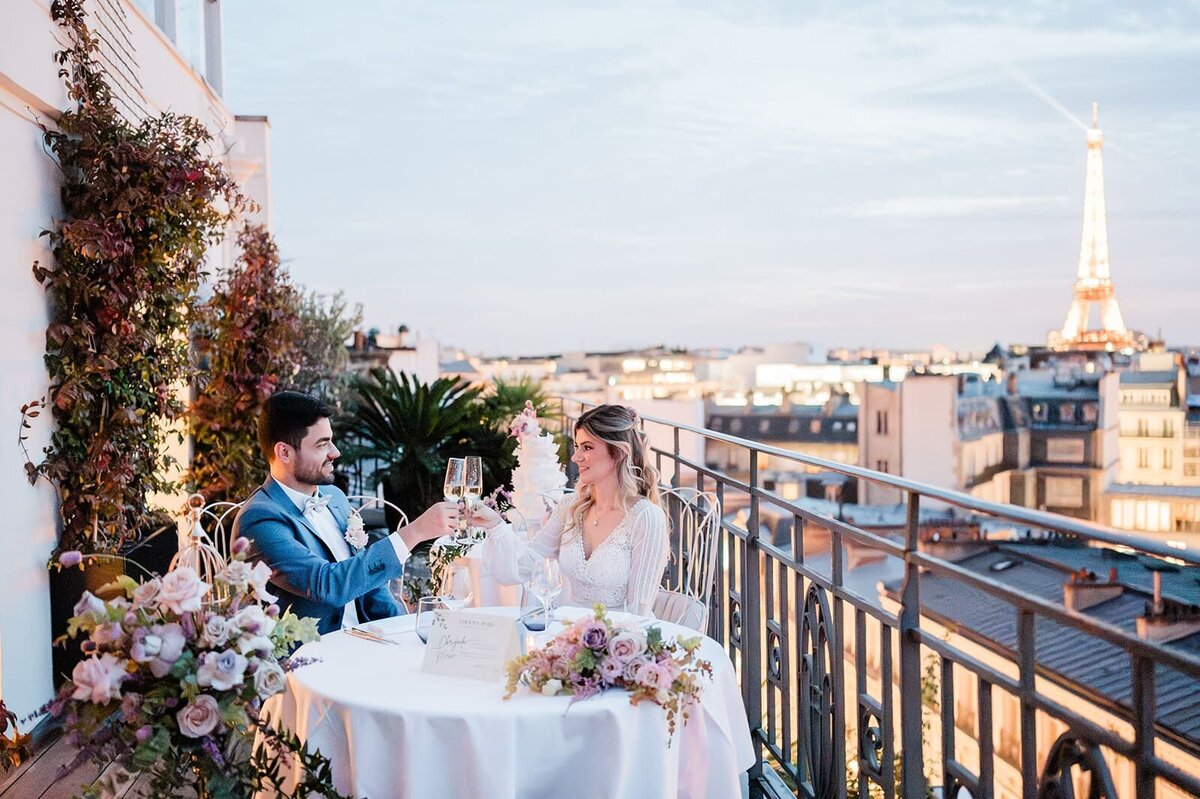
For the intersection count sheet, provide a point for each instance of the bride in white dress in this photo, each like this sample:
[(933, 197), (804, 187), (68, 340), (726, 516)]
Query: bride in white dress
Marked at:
[(611, 538)]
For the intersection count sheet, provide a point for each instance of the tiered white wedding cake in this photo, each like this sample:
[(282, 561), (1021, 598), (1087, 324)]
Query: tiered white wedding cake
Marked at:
[(538, 470)]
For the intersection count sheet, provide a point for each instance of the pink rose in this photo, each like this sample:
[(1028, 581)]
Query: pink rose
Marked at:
[(653, 677), (199, 717), (98, 679), (182, 591), (146, 593), (611, 669), (111, 633)]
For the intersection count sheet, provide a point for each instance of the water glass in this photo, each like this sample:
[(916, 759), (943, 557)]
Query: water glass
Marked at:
[(546, 584), (427, 608), (456, 589)]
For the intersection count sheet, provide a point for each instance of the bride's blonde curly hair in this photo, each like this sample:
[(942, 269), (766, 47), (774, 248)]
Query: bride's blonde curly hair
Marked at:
[(618, 426)]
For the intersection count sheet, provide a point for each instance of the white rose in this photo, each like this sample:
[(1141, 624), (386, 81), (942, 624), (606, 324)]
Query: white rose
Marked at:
[(259, 576), (252, 619), (215, 632), (237, 574), (551, 687), (255, 643), (269, 679)]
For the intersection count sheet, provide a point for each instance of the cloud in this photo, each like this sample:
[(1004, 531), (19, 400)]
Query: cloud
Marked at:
[(949, 207)]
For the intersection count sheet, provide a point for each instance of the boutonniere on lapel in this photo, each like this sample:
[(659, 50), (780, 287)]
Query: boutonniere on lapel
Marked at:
[(356, 533)]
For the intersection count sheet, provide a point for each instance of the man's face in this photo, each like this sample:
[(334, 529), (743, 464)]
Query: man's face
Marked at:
[(313, 462)]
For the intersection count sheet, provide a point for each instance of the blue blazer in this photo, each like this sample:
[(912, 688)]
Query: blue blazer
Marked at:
[(303, 571)]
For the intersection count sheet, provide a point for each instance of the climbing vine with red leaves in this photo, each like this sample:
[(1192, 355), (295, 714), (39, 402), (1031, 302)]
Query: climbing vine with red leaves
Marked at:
[(142, 203)]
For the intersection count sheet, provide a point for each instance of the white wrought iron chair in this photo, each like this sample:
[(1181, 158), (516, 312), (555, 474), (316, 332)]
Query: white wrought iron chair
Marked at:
[(205, 552), (366, 502), (695, 518)]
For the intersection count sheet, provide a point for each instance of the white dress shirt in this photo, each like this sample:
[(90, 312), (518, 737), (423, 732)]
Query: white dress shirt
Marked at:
[(331, 533)]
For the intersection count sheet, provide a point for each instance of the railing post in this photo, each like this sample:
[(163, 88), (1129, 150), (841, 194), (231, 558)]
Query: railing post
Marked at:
[(912, 774), (751, 624), (675, 476), (1143, 726)]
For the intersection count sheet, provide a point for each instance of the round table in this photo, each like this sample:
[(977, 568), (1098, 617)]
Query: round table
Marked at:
[(391, 730)]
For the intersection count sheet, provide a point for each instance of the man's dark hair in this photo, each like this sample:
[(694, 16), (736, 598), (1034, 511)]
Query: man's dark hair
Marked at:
[(286, 416)]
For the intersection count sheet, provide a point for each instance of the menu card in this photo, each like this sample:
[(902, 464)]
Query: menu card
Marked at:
[(472, 645)]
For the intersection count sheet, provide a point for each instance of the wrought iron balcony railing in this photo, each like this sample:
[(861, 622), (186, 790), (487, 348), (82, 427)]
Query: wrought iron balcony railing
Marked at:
[(946, 641)]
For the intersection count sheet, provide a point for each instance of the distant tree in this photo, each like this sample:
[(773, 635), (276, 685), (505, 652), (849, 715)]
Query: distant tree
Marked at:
[(246, 349), (325, 324)]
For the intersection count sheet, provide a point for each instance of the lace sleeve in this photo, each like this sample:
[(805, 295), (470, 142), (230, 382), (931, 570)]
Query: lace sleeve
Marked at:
[(510, 558), (649, 561)]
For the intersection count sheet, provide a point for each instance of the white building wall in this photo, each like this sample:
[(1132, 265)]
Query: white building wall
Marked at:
[(30, 91), (929, 430)]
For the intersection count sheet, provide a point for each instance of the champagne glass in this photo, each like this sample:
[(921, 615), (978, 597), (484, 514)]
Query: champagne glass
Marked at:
[(456, 588), (427, 608), (452, 490), (546, 584), (472, 489)]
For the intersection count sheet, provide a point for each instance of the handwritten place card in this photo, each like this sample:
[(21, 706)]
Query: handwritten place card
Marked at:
[(472, 645)]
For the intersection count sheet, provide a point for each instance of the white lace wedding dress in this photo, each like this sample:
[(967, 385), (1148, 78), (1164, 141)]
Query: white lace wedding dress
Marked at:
[(623, 572)]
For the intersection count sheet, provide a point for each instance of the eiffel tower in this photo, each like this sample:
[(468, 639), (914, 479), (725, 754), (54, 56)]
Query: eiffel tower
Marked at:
[(1094, 285)]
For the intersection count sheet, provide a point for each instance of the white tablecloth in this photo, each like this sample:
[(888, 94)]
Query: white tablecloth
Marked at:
[(392, 731)]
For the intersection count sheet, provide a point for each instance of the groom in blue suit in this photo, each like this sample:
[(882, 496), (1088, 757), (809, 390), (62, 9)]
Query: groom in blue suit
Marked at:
[(296, 523)]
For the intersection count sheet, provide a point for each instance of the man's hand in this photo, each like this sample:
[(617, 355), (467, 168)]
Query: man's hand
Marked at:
[(441, 519), (483, 516)]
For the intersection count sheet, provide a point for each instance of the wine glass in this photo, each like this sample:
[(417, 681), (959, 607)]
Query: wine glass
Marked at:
[(456, 588), (427, 608), (546, 584)]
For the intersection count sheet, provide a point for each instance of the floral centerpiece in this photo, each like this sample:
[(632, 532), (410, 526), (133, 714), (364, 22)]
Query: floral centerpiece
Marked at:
[(596, 653), (175, 674)]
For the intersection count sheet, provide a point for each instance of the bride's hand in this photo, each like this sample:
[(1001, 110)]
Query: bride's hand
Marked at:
[(482, 516)]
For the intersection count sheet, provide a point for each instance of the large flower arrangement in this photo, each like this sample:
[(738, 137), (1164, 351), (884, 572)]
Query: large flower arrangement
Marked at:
[(596, 653), (175, 675)]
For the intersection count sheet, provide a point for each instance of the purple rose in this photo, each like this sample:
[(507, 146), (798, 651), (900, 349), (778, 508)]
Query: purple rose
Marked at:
[(72, 557), (241, 545), (160, 646), (143, 733), (221, 670), (594, 635)]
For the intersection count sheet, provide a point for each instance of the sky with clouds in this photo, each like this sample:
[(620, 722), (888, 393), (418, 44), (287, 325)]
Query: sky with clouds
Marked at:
[(538, 177)]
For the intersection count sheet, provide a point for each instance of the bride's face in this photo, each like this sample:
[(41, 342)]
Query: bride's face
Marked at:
[(593, 457)]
